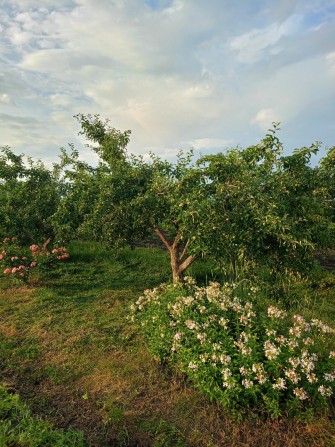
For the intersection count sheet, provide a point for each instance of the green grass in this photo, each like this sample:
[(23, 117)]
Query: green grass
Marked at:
[(69, 350), (19, 428)]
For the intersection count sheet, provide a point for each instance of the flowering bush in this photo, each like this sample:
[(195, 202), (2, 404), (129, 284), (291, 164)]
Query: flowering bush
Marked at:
[(237, 355), (17, 261)]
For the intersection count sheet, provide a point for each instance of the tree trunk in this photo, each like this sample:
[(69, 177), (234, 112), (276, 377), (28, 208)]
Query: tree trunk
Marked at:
[(175, 267), (179, 262), (46, 244)]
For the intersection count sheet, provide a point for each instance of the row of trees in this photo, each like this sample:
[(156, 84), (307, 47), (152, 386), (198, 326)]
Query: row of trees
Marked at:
[(251, 205)]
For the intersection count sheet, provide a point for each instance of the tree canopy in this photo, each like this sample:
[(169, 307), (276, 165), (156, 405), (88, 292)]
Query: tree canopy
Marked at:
[(252, 204), (29, 196)]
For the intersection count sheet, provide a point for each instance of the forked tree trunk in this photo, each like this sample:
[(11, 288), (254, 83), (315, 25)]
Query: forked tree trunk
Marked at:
[(46, 244), (178, 254)]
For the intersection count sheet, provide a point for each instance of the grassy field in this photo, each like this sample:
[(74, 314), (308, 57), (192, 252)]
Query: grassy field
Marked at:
[(76, 361)]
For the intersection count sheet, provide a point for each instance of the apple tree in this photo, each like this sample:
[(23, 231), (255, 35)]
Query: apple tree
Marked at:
[(29, 196), (253, 205)]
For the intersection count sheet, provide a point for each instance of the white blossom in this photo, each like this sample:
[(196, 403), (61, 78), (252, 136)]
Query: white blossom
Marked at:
[(226, 373), (292, 375), (271, 350), (329, 377), (275, 313), (192, 365), (325, 390), (224, 359), (280, 384), (247, 383), (300, 393), (223, 322), (192, 325), (244, 371)]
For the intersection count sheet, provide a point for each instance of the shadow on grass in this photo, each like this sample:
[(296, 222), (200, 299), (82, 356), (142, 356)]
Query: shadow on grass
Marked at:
[(103, 269)]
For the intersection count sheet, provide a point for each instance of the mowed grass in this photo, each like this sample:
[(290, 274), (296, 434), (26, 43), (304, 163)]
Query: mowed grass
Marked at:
[(69, 350)]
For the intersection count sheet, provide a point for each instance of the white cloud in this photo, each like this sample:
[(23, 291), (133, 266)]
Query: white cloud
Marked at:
[(17, 35), (6, 99), (171, 71), (209, 143), (258, 43), (264, 118), (198, 91), (330, 58)]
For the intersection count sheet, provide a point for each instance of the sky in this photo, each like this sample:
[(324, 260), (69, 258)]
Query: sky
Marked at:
[(178, 73)]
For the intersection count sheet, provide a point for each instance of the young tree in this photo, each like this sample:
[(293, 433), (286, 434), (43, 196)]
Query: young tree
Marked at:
[(124, 198)]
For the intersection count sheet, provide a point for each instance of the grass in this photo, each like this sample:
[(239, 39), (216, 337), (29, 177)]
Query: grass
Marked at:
[(70, 352), (19, 428)]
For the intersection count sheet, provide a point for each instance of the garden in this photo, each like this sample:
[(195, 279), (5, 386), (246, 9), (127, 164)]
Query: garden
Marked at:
[(158, 303)]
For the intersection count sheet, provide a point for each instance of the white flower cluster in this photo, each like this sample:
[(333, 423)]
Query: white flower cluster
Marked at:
[(228, 380), (292, 375), (176, 342), (325, 390), (300, 320), (247, 383), (176, 309), (213, 292), (216, 332), (192, 365), (149, 296), (324, 328), (188, 300), (258, 369), (224, 359), (274, 312), (280, 384), (192, 325), (329, 377), (245, 350), (300, 393), (271, 350)]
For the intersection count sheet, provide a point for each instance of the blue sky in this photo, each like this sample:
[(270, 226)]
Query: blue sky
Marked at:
[(178, 73)]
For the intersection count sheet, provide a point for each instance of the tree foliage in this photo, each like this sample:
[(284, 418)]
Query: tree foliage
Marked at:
[(29, 196), (253, 206), (269, 208), (250, 205)]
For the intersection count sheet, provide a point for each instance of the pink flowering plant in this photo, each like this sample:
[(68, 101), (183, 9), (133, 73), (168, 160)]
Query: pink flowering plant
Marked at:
[(18, 262), (238, 353)]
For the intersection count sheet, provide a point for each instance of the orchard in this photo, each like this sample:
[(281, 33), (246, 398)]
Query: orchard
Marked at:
[(249, 226), (245, 208)]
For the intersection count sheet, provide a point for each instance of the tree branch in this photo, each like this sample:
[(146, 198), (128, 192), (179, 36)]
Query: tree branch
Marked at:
[(181, 257), (176, 241), (162, 236), (188, 261)]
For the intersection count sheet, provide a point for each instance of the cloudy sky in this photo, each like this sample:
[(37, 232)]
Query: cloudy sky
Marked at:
[(179, 73)]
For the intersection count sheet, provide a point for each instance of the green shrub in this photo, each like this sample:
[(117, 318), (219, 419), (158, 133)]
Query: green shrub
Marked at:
[(237, 352)]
